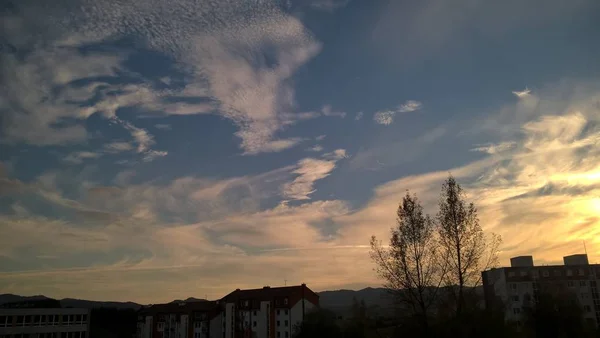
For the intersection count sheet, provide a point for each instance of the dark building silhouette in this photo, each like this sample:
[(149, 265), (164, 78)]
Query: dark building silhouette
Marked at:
[(517, 286)]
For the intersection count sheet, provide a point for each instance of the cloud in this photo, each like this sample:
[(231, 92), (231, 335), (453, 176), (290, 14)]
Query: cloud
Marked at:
[(316, 148), (328, 111), (80, 156), (522, 94), (310, 170), (386, 117), (223, 54), (336, 155), (409, 106), (495, 148), (358, 116), (151, 155), (117, 147), (320, 137)]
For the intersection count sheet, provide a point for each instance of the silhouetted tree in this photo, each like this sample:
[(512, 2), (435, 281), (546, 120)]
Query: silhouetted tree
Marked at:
[(464, 246), (411, 265)]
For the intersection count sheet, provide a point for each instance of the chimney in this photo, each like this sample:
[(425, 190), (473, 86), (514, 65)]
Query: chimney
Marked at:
[(266, 287), (521, 261)]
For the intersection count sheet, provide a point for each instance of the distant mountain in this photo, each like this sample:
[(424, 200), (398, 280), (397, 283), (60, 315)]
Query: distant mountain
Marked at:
[(377, 300), (340, 298), (82, 303), (189, 300), (70, 302), (10, 298), (90, 304)]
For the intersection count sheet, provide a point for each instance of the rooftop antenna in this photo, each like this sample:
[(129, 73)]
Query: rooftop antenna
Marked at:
[(285, 282)]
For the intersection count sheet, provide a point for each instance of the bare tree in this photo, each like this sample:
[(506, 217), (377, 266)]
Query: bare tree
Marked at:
[(465, 248), (410, 264)]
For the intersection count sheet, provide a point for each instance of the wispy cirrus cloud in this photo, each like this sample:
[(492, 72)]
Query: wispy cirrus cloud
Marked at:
[(80, 156), (310, 170), (386, 117), (248, 91)]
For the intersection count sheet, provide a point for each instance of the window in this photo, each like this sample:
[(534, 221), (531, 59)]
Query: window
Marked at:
[(545, 273), (511, 274), (278, 312), (535, 273), (513, 286), (246, 303), (523, 273), (517, 310), (569, 272), (285, 323), (278, 334), (278, 323), (581, 272), (286, 311), (585, 295), (3, 321), (254, 324), (254, 313), (515, 298), (582, 283), (587, 308), (20, 320), (557, 273), (570, 284), (285, 301)]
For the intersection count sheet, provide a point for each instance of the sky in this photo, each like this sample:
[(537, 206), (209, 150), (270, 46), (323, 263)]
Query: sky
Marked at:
[(154, 150)]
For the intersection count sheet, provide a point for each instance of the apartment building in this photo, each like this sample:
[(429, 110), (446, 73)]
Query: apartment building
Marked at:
[(518, 286), (268, 312), (180, 320), (43, 319)]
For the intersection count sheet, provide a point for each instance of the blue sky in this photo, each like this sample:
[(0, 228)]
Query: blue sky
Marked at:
[(153, 150)]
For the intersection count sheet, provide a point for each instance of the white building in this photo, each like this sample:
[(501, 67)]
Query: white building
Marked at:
[(35, 320), (517, 286), (257, 313), (267, 312)]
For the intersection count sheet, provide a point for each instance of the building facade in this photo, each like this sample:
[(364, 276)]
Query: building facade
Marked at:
[(31, 322), (519, 285), (257, 313), (270, 312), (179, 320)]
